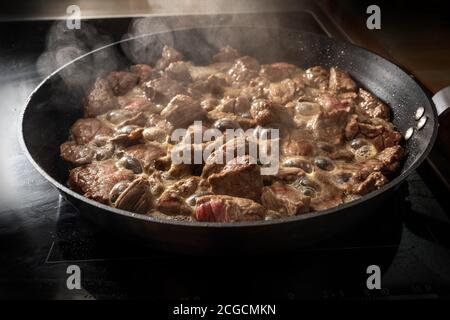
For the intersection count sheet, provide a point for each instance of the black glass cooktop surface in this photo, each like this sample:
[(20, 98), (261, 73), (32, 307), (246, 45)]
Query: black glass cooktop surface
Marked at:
[(41, 234)]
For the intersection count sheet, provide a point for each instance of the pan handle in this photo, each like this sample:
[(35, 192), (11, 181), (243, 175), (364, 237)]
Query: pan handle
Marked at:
[(442, 100)]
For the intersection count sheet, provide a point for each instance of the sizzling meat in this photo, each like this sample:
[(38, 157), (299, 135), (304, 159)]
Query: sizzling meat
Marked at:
[(336, 142)]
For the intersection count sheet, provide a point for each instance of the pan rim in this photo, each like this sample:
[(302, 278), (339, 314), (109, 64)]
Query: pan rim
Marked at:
[(198, 224)]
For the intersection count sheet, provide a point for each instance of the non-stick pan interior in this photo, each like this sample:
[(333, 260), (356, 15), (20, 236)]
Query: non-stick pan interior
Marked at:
[(58, 102)]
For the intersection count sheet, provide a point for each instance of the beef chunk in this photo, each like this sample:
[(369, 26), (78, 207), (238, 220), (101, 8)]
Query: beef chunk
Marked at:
[(172, 200), (100, 100), (371, 106), (239, 177), (146, 153), (267, 113), (128, 134), (162, 89), (244, 69), (226, 54), (216, 116), (285, 199), (296, 145), (96, 180), (212, 85), (121, 82), (143, 71), (172, 203), (390, 158), (317, 77), (76, 154), (329, 126), (227, 209), (352, 127), (278, 71), (182, 111), (256, 89), (168, 56), (136, 197), (282, 92), (374, 181), (340, 81), (381, 135), (239, 105), (185, 187), (84, 130), (179, 71), (386, 161), (330, 102)]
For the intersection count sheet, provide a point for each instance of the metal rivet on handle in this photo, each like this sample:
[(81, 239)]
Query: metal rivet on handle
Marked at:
[(419, 113), (421, 122), (409, 133)]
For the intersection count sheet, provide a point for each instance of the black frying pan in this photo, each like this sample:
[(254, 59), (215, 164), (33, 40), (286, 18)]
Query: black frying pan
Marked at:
[(57, 102)]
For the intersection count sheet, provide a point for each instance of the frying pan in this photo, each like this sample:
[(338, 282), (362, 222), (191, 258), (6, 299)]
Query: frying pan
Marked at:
[(57, 102)]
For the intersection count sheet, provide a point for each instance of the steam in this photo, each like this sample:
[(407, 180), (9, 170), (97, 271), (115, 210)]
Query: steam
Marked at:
[(64, 45)]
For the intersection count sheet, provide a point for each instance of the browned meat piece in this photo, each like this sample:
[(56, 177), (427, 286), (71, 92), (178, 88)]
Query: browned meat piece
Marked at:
[(267, 113), (217, 116), (135, 119), (172, 203), (96, 180), (317, 77), (185, 187), (211, 85), (330, 102), (386, 161), (239, 105), (342, 154), (380, 135), (390, 158), (226, 152), (161, 90), (139, 104), (256, 89), (371, 106), (128, 134), (278, 71), (285, 199), (168, 55), (227, 209), (143, 71), (239, 177), (136, 197), (84, 130), (155, 134), (244, 69), (282, 92), (352, 127), (369, 130), (226, 54), (182, 111), (209, 104), (391, 138), (179, 71), (76, 154), (374, 181), (340, 81), (101, 99), (330, 126), (296, 145), (146, 153), (121, 82), (348, 99)]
